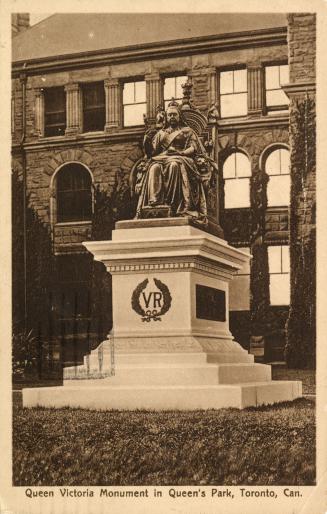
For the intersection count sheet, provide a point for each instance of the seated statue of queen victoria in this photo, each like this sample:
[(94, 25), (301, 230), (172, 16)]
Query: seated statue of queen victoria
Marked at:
[(176, 170)]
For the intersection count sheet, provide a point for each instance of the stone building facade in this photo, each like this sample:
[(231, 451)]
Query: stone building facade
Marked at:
[(75, 141), (300, 349)]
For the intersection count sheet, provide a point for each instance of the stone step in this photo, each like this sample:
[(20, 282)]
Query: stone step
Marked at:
[(109, 397), (230, 358), (144, 359), (185, 374)]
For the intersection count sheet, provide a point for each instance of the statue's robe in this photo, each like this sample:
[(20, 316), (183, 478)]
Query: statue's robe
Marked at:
[(174, 180)]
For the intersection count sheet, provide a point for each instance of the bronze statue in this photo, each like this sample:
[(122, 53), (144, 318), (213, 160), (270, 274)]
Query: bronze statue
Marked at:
[(176, 170)]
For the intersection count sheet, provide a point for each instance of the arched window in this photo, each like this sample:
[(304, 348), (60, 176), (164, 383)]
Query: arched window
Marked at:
[(278, 188), (74, 196), (237, 173)]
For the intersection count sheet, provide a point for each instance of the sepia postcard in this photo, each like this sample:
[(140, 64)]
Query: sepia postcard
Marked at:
[(163, 257)]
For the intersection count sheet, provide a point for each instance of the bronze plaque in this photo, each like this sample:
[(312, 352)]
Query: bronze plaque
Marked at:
[(210, 303)]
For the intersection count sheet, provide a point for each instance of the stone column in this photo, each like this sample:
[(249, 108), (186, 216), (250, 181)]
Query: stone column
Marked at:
[(255, 89), (73, 111), (39, 112), (153, 95), (113, 104)]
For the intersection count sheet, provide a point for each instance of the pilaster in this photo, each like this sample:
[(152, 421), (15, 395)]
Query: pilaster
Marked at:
[(153, 94), (39, 112), (113, 104), (213, 86), (73, 111), (255, 89)]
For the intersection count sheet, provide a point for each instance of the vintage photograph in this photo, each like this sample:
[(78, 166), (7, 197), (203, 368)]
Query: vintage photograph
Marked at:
[(164, 251)]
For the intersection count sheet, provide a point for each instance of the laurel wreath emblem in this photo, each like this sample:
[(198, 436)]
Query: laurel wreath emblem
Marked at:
[(151, 314)]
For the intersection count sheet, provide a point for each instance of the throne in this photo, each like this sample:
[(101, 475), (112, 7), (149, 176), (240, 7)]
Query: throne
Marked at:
[(206, 130)]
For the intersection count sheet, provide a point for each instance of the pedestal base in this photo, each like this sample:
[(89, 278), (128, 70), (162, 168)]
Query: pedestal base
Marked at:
[(100, 395), (171, 347), (166, 381)]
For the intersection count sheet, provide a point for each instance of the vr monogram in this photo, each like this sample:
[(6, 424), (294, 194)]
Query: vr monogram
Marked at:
[(156, 303)]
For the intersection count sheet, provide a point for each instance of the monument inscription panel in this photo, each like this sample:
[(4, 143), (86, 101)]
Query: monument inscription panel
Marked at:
[(210, 303)]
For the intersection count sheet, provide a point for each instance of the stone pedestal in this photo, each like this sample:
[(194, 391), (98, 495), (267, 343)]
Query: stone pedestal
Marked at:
[(170, 347)]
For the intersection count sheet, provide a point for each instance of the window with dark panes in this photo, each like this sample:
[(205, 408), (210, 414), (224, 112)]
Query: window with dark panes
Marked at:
[(54, 111), (74, 195), (93, 107)]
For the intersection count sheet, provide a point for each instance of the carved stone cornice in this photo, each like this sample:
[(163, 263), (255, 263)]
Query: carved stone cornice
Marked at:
[(262, 122), (71, 87), (164, 248), (117, 136), (150, 51), (185, 265), (154, 75), (299, 88), (111, 82)]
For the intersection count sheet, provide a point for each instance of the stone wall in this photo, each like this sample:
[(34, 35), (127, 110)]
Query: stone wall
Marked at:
[(104, 161), (300, 350), (302, 46), (17, 106)]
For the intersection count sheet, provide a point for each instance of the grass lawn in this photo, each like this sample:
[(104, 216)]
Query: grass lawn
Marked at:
[(259, 446)]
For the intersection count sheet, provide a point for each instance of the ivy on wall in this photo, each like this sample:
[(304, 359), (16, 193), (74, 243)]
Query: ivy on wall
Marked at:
[(259, 300), (301, 325), (35, 324), (248, 226)]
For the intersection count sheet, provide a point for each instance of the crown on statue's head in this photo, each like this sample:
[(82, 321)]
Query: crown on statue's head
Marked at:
[(173, 103)]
